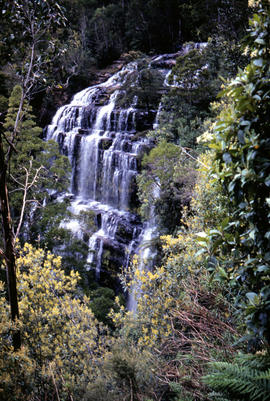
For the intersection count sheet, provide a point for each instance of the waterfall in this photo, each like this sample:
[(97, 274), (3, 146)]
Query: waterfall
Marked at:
[(99, 137), (102, 133)]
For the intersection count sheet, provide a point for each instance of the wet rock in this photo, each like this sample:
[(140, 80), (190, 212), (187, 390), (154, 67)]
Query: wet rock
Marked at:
[(105, 143), (83, 131), (145, 120), (124, 233)]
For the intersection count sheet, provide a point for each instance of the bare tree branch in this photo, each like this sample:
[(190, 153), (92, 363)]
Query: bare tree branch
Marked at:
[(192, 157), (27, 185)]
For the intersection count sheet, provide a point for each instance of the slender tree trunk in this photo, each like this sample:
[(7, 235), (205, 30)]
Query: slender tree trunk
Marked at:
[(9, 251), (8, 235)]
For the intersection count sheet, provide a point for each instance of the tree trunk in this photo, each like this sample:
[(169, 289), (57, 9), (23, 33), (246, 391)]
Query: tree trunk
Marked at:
[(9, 251)]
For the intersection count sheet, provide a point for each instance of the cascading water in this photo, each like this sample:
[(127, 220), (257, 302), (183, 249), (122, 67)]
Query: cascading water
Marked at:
[(103, 141), (99, 138)]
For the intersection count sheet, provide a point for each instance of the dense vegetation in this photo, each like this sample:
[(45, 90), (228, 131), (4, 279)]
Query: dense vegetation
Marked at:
[(74, 39), (202, 323)]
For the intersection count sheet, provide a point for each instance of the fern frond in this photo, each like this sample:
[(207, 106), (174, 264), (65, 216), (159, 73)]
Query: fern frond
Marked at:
[(242, 380), (258, 361)]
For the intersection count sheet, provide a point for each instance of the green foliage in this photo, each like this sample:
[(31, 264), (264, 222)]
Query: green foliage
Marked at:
[(126, 373), (71, 36), (170, 173), (102, 301), (130, 372), (4, 94), (37, 166), (191, 74), (143, 24), (161, 161), (108, 25), (57, 168), (76, 56), (196, 80), (27, 142), (66, 351), (223, 17), (180, 122), (186, 105), (45, 226), (27, 127), (242, 145), (247, 378)]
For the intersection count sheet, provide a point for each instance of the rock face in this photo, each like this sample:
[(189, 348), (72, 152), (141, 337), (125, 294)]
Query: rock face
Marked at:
[(100, 138)]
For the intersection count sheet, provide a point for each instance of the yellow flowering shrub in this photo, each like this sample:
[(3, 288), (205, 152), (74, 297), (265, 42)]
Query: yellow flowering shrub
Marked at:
[(62, 338), (153, 298)]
